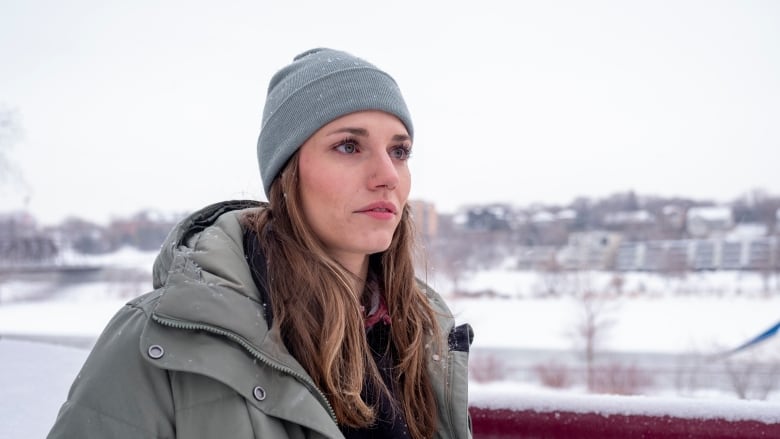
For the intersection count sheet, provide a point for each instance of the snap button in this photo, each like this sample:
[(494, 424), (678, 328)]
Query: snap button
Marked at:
[(156, 351), (259, 393)]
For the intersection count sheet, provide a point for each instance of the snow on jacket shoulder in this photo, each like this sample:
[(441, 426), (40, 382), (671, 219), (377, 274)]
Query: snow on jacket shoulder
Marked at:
[(195, 359)]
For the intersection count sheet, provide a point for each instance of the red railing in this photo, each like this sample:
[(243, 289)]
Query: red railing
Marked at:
[(624, 417)]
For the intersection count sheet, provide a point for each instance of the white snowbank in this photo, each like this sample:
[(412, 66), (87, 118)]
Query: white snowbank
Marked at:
[(517, 397)]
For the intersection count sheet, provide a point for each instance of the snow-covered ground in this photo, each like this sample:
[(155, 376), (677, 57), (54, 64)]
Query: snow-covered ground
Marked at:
[(34, 381), (646, 314)]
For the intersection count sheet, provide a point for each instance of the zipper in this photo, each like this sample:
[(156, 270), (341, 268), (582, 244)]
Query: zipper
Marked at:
[(179, 324)]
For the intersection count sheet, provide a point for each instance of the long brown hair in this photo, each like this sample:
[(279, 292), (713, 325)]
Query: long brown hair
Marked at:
[(320, 317)]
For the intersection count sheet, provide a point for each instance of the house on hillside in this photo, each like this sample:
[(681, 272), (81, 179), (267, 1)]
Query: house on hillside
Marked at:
[(673, 216), (634, 225), (550, 228), (704, 222), (490, 217), (629, 218)]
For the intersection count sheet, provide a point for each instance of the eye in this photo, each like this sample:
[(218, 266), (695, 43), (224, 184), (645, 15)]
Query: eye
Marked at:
[(401, 152), (347, 146)]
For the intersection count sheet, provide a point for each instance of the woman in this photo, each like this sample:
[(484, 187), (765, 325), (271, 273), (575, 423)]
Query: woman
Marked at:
[(298, 318)]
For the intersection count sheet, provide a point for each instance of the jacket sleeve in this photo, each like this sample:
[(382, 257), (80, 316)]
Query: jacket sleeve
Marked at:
[(118, 394)]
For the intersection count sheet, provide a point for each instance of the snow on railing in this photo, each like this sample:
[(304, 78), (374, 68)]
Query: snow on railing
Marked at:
[(497, 414)]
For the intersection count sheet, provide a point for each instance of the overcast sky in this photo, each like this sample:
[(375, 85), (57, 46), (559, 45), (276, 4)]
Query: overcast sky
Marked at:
[(157, 104)]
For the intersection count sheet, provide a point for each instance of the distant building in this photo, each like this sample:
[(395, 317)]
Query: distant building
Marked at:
[(702, 222), (746, 231), (145, 230), (543, 216), (548, 227), (590, 250), (629, 218), (756, 253), (426, 219), (536, 257), (673, 216), (488, 217), (564, 216), (82, 236), (634, 225), (568, 216), (668, 256)]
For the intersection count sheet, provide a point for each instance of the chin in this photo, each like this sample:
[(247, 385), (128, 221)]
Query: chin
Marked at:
[(378, 248)]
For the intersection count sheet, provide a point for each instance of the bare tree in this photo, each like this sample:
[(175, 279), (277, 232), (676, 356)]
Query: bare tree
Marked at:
[(450, 258), (553, 374), (688, 372), (487, 368), (553, 275), (616, 283), (590, 331), (621, 379), (458, 253), (751, 378)]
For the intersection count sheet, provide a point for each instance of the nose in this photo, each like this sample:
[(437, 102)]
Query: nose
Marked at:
[(384, 173)]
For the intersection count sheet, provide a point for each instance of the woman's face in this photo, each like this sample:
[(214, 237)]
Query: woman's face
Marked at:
[(354, 183)]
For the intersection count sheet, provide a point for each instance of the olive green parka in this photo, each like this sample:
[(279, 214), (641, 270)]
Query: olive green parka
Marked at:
[(195, 359)]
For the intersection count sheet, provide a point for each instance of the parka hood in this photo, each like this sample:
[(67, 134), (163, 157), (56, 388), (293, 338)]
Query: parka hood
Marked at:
[(204, 280), (180, 238)]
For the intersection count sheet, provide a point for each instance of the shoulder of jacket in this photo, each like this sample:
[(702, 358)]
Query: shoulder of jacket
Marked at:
[(436, 300)]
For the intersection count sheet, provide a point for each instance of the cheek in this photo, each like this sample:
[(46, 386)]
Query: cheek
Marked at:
[(404, 184), (311, 177), (322, 192)]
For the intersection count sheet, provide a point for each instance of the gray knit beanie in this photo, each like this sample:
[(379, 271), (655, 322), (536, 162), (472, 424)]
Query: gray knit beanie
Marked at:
[(319, 86)]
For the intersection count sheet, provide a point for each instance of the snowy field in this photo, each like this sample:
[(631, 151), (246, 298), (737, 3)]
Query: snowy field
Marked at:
[(700, 313)]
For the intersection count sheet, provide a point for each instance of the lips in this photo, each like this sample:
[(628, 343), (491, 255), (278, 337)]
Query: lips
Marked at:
[(379, 207)]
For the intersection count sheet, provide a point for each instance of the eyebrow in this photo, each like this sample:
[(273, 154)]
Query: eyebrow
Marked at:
[(362, 132)]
